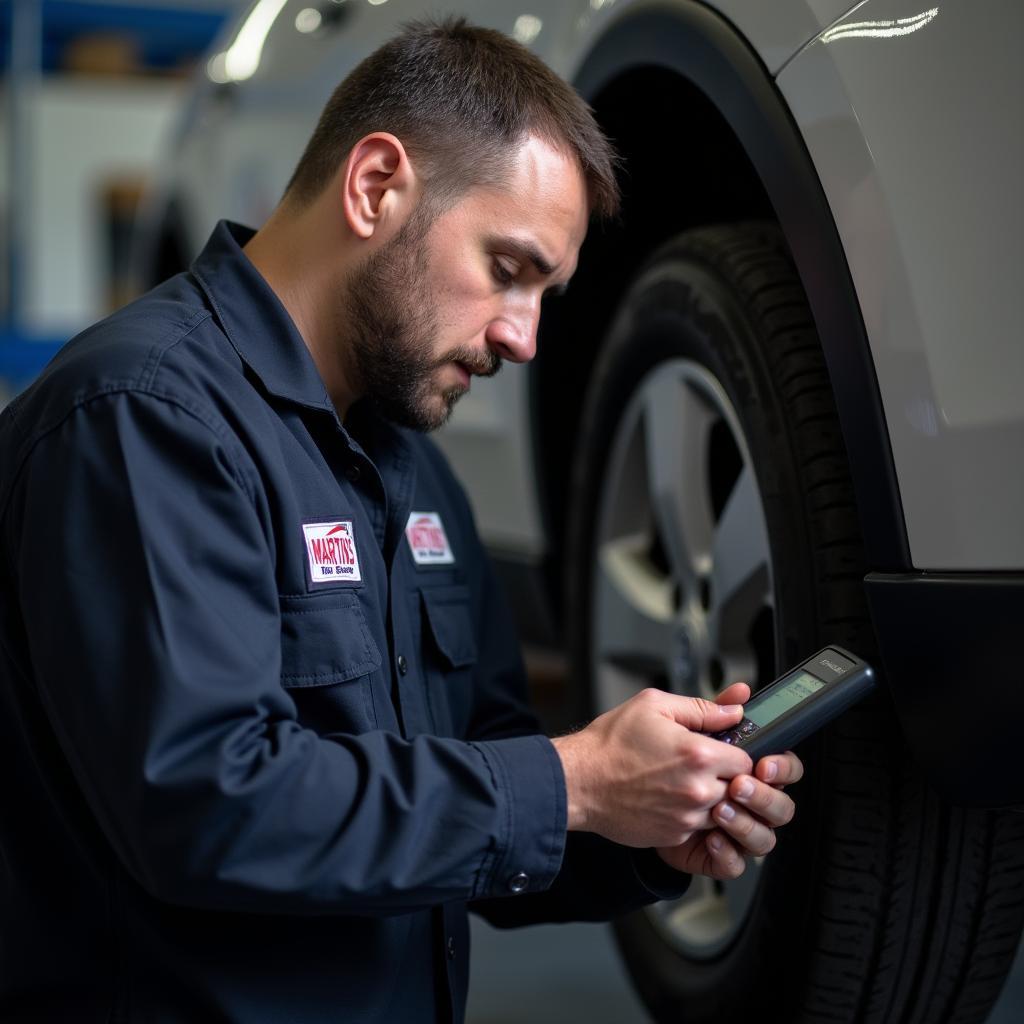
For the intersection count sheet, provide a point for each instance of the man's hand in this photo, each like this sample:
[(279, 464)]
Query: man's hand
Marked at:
[(643, 775), (746, 820)]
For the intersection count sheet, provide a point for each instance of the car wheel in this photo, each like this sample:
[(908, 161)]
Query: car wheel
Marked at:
[(714, 537)]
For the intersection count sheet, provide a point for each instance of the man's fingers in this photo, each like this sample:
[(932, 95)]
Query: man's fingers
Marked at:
[(727, 862), (780, 769), (752, 836), (722, 760), (766, 802)]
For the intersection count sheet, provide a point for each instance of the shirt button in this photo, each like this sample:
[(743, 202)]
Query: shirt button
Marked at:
[(353, 472), (451, 947), (517, 883), (403, 665)]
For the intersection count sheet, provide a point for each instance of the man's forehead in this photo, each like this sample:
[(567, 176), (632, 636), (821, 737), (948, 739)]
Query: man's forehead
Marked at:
[(542, 204)]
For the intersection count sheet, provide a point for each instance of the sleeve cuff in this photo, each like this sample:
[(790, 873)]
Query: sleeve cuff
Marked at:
[(532, 800)]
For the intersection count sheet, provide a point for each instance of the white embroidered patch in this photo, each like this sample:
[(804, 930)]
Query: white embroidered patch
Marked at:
[(427, 539), (332, 552)]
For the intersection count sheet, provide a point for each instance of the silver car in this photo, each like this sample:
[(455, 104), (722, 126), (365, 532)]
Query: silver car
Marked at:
[(781, 405)]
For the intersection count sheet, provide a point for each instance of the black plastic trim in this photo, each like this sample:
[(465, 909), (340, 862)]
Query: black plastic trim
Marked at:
[(704, 48), (951, 654)]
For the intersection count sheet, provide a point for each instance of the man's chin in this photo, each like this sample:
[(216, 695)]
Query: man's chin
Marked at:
[(442, 407), (429, 413)]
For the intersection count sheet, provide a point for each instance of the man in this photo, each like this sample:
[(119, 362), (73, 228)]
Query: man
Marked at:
[(264, 734)]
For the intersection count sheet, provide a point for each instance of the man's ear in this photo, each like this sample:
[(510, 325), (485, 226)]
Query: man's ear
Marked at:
[(378, 184)]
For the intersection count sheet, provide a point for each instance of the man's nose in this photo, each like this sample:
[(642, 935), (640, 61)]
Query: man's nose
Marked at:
[(514, 336)]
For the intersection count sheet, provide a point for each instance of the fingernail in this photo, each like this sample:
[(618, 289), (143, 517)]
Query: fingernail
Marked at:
[(745, 789), (732, 709), (771, 769), (727, 812), (715, 841)]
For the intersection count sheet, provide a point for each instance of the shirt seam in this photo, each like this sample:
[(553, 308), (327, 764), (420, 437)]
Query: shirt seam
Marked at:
[(208, 291), (131, 388), (558, 788), (143, 382), (158, 351), (488, 871), (355, 671)]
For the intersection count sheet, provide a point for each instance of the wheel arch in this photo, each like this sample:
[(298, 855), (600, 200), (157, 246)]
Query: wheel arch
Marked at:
[(751, 162)]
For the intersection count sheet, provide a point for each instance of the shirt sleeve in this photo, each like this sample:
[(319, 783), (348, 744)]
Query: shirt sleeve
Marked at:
[(143, 562)]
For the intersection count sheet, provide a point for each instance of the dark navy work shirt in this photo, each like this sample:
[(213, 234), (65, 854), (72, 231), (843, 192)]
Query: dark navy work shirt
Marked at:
[(262, 725)]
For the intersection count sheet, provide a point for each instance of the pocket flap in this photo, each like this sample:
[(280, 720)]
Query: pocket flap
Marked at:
[(324, 640), (451, 625)]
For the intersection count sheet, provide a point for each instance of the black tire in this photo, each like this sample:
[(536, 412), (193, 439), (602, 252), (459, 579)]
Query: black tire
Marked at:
[(880, 903)]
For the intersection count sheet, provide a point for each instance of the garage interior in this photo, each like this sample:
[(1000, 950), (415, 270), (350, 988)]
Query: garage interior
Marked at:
[(92, 91)]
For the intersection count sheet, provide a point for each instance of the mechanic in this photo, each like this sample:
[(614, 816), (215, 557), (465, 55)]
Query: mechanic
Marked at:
[(264, 735)]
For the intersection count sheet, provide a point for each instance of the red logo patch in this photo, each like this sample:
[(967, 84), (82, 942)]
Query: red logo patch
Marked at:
[(427, 539), (331, 547)]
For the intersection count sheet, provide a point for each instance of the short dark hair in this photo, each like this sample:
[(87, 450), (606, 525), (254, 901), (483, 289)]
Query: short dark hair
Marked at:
[(458, 97)]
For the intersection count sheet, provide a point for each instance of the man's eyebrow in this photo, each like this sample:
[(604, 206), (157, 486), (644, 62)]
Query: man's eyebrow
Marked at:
[(525, 250)]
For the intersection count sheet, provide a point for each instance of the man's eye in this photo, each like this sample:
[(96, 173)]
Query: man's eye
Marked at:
[(502, 274)]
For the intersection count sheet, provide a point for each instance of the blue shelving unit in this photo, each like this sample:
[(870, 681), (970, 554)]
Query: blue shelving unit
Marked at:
[(22, 358), (167, 34), (33, 36)]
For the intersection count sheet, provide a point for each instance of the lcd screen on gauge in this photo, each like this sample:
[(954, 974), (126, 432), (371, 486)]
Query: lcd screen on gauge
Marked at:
[(783, 699)]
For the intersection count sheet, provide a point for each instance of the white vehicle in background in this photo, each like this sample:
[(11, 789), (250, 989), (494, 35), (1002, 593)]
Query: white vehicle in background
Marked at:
[(781, 405)]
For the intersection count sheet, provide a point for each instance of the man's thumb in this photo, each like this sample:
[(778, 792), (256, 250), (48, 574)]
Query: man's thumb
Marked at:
[(704, 715)]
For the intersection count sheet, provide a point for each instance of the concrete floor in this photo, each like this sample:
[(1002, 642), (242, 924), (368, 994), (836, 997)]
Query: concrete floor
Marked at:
[(555, 972)]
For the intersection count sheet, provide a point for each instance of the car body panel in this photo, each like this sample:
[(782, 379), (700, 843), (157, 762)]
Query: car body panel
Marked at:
[(916, 188), (777, 30)]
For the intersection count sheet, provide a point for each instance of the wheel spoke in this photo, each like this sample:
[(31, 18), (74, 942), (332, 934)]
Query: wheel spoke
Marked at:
[(677, 421), (701, 914), (741, 571), (633, 630)]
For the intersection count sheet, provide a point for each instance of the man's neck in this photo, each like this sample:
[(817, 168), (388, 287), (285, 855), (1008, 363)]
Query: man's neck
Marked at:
[(302, 265)]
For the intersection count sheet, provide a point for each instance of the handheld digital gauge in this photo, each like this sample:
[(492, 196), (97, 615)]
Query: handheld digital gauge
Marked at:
[(800, 702)]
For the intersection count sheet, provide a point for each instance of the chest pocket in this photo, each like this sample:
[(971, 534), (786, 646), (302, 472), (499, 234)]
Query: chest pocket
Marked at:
[(328, 656), (450, 654)]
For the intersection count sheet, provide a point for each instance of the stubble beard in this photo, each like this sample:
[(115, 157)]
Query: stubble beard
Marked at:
[(390, 331)]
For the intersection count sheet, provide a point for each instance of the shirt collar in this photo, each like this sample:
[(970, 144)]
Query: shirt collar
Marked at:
[(255, 321)]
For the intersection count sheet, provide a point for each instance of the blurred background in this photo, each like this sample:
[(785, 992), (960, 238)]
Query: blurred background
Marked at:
[(91, 89)]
